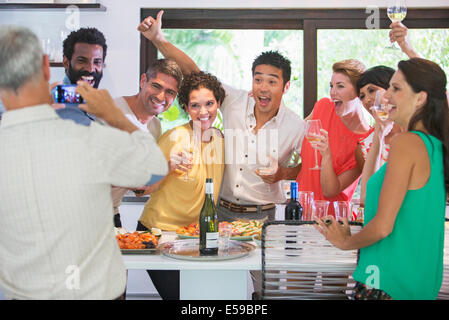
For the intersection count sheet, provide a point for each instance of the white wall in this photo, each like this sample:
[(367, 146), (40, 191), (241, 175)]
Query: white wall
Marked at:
[(120, 21)]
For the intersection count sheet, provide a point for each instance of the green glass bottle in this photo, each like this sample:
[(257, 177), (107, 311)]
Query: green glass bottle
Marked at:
[(209, 223)]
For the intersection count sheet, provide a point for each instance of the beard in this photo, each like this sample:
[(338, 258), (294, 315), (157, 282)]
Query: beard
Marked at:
[(76, 75)]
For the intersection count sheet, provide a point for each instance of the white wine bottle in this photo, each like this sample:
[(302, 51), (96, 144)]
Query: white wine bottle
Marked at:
[(209, 223)]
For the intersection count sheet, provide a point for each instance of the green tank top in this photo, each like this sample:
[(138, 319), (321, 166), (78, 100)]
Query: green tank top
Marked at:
[(408, 263)]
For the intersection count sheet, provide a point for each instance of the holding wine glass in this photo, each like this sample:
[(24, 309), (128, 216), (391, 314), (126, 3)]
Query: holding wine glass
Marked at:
[(188, 154), (266, 166), (314, 135), (396, 11), (380, 106)]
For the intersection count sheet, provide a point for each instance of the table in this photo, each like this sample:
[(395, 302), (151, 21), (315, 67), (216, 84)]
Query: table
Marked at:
[(202, 280)]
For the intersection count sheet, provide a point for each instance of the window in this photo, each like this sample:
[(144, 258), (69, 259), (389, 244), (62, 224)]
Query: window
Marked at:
[(368, 46), (229, 54), (320, 27)]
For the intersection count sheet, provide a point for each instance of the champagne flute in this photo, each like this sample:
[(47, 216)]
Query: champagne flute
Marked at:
[(396, 11), (314, 134)]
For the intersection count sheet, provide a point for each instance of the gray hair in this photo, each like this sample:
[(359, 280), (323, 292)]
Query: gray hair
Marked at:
[(21, 57)]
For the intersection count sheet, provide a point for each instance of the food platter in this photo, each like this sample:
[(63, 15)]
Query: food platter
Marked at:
[(138, 242), (242, 230), (188, 249)]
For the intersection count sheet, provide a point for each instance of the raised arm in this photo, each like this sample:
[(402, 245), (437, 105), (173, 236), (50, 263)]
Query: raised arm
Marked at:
[(152, 30), (399, 33)]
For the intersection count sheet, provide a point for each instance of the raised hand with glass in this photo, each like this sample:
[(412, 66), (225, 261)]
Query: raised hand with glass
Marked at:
[(396, 11)]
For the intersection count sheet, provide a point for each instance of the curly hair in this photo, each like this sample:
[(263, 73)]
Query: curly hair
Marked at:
[(85, 35), (197, 80)]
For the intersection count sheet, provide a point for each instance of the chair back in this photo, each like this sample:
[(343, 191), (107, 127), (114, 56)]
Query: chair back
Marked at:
[(299, 263)]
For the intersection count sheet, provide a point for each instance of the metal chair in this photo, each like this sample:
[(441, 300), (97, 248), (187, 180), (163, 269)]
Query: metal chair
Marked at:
[(299, 263)]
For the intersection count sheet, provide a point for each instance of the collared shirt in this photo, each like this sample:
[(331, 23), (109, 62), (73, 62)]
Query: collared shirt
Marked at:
[(153, 127), (72, 111), (57, 239), (278, 137)]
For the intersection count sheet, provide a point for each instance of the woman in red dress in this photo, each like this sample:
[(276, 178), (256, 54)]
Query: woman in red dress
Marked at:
[(344, 124)]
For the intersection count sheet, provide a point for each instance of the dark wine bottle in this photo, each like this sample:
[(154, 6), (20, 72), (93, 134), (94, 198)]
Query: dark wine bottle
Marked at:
[(293, 209), (209, 223)]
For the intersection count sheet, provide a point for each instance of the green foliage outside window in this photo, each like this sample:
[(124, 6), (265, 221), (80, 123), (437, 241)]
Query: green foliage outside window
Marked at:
[(229, 54), (369, 46)]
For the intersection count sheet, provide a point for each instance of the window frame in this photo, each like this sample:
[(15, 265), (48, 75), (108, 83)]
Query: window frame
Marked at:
[(308, 20)]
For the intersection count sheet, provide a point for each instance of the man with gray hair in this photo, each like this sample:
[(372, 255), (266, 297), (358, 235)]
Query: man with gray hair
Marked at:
[(57, 239)]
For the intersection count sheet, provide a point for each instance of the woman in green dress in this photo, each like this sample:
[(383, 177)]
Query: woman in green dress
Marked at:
[(402, 241)]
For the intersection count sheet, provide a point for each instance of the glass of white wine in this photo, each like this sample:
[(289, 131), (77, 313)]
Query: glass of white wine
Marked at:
[(266, 165), (396, 11), (314, 134), (380, 106), (188, 153)]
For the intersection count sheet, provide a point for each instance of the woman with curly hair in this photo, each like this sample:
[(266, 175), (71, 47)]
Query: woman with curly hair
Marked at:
[(194, 152)]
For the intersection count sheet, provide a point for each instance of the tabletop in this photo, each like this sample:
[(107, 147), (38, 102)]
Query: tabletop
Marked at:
[(162, 262)]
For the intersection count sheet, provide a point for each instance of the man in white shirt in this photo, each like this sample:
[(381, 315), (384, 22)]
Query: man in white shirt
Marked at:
[(159, 86), (257, 127), (57, 239)]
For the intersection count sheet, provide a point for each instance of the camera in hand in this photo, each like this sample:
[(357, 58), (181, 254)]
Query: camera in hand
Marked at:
[(66, 94)]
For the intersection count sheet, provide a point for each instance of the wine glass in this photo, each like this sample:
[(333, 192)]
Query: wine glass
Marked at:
[(267, 166), (380, 107), (396, 11), (188, 153), (294, 159), (314, 134)]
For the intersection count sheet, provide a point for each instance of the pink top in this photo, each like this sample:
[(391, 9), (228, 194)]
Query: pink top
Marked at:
[(342, 142)]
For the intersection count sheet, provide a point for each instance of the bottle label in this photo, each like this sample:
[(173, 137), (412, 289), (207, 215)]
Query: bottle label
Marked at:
[(211, 240), (209, 188)]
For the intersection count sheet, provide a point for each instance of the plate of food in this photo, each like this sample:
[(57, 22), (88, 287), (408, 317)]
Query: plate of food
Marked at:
[(138, 242), (242, 230)]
